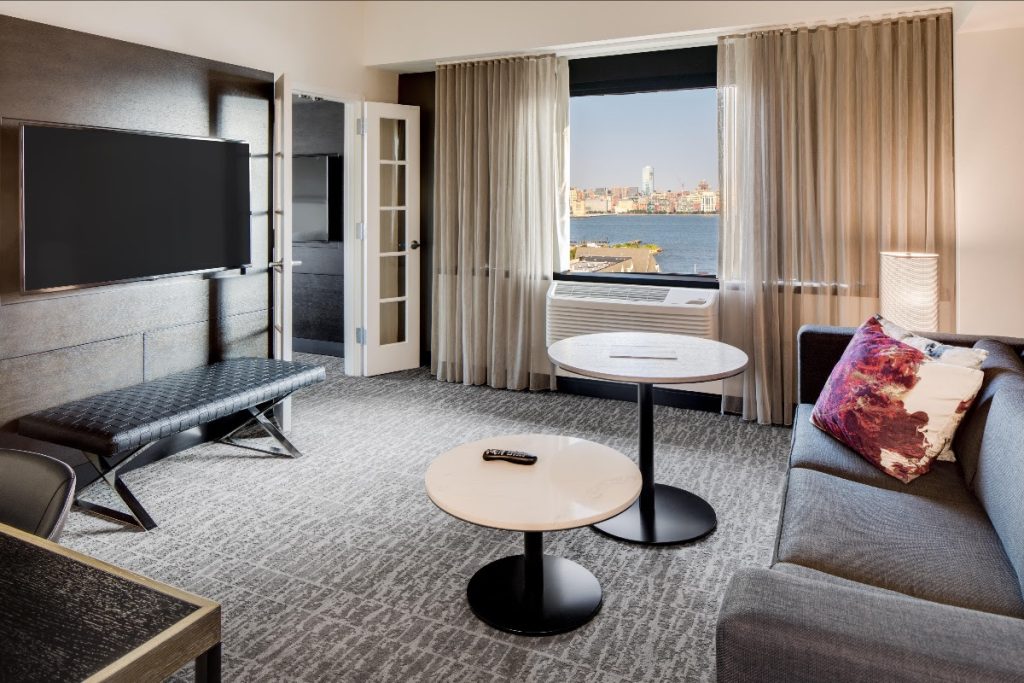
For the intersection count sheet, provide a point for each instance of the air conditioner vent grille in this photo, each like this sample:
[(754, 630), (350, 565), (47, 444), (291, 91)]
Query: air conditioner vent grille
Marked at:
[(569, 290)]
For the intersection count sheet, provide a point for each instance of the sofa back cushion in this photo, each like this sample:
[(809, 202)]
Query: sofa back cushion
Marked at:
[(1002, 368), (999, 479)]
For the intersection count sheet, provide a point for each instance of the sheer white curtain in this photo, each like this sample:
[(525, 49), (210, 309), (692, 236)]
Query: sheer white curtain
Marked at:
[(836, 144), (501, 219)]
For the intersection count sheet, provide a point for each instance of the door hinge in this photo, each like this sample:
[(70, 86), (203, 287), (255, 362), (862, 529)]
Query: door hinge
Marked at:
[(360, 126), (361, 336), (361, 230)]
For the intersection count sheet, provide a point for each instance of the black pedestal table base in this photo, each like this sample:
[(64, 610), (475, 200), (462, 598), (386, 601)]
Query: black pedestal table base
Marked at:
[(663, 514), (678, 516), (534, 594)]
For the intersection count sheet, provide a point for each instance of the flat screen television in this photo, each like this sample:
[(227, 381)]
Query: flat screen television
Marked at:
[(102, 206)]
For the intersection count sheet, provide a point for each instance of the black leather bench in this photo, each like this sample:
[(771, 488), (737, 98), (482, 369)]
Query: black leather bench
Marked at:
[(130, 420)]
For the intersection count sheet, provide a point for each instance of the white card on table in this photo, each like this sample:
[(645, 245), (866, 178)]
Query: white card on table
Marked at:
[(654, 352)]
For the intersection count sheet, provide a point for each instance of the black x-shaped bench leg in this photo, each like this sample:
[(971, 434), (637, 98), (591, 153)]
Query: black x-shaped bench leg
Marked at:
[(137, 516), (259, 417)]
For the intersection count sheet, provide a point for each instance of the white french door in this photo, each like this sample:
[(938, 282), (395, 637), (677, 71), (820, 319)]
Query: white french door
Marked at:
[(391, 266), (281, 259)]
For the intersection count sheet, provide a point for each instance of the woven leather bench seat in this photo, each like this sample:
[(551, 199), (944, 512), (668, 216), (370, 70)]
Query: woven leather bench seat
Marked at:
[(129, 418)]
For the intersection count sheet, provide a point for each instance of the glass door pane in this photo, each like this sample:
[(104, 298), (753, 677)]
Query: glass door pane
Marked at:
[(392, 184), (392, 277), (392, 140), (392, 230)]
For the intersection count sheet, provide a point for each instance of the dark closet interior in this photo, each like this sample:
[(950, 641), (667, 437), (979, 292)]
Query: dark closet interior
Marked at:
[(318, 143)]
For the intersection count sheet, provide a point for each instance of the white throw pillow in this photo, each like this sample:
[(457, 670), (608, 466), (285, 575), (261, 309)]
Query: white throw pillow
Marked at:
[(962, 356)]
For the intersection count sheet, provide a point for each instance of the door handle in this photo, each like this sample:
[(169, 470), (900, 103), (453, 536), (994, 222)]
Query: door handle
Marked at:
[(280, 264), (415, 245)]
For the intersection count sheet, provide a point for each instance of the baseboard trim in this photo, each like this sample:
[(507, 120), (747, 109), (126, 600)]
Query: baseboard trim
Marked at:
[(322, 348), (675, 398)]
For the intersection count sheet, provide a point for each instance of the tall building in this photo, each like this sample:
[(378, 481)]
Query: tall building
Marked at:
[(647, 181), (708, 202)]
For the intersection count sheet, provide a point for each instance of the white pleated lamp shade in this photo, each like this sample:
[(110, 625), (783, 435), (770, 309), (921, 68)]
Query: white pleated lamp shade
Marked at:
[(909, 289)]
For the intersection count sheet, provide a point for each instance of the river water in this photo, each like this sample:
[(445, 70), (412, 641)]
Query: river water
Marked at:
[(689, 241)]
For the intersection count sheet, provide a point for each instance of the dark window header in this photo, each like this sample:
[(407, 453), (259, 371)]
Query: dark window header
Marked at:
[(691, 67)]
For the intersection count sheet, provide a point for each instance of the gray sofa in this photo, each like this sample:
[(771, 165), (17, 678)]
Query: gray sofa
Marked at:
[(876, 580)]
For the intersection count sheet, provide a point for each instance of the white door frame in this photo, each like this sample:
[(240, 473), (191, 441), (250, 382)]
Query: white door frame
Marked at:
[(280, 265), (352, 245)]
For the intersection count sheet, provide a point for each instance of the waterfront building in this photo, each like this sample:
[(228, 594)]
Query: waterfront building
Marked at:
[(647, 181)]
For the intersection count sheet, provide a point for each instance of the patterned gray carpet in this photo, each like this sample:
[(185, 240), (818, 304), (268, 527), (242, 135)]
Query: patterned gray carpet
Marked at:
[(337, 567)]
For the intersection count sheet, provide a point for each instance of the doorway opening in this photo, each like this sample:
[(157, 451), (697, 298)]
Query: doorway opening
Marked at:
[(318, 218)]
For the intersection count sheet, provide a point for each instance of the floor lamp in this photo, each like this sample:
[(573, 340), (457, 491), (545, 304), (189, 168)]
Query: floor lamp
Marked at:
[(909, 289)]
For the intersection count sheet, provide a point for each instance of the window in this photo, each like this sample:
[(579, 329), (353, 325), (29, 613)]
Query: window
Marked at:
[(643, 167)]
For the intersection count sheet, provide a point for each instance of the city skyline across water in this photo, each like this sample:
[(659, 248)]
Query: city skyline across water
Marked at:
[(643, 199)]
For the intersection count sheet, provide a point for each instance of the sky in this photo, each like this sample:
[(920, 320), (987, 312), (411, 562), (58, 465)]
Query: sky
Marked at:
[(612, 137)]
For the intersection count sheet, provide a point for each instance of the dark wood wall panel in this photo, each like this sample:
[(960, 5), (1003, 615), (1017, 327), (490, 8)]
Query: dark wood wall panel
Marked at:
[(44, 379), (108, 312), (62, 346), (318, 127), (174, 349), (318, 308)]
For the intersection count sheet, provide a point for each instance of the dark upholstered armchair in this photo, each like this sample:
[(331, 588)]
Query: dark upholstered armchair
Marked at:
[(35, 492)]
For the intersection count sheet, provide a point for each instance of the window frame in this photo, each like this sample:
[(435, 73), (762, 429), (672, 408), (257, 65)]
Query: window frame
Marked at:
[(690, 68)]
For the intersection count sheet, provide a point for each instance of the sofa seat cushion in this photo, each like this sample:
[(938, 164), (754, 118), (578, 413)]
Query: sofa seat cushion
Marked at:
[(924, 547), (813, 449)]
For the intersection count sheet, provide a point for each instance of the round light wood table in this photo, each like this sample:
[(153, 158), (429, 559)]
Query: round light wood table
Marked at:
[(663, 514), (574, 483)]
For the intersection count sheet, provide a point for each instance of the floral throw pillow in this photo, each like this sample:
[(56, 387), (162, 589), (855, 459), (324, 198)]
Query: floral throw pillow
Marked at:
[(966, 356), (944, 353), (894, 404)]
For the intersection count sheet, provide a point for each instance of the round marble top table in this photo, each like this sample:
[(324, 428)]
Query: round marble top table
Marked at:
[(663, 514), (574, 483)]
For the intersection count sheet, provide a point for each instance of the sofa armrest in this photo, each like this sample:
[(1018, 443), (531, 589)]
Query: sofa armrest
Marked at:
[(779, 627), (818, 348)]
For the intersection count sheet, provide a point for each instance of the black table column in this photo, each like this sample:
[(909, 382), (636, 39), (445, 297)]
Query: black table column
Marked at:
[(663, 514)]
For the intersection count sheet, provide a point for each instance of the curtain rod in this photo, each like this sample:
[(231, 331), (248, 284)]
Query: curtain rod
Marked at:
[(867, 19), (499, 58)]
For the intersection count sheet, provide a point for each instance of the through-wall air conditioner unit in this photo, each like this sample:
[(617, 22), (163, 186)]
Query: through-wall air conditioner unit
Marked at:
[(575, 308)]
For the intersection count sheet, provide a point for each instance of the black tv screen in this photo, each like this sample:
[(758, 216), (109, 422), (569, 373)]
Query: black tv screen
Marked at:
[(103, 206)]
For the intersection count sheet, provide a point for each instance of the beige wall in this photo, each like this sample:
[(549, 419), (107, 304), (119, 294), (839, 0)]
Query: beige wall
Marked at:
[(989, 83), (322, 45), (318, 44), (989, 97), (414, 33)]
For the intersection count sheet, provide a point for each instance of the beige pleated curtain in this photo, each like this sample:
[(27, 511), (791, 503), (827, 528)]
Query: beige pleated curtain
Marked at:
[(501, 220), (836, 144)]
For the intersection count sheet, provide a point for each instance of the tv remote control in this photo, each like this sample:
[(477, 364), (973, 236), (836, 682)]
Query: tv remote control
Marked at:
[(517, 457)]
